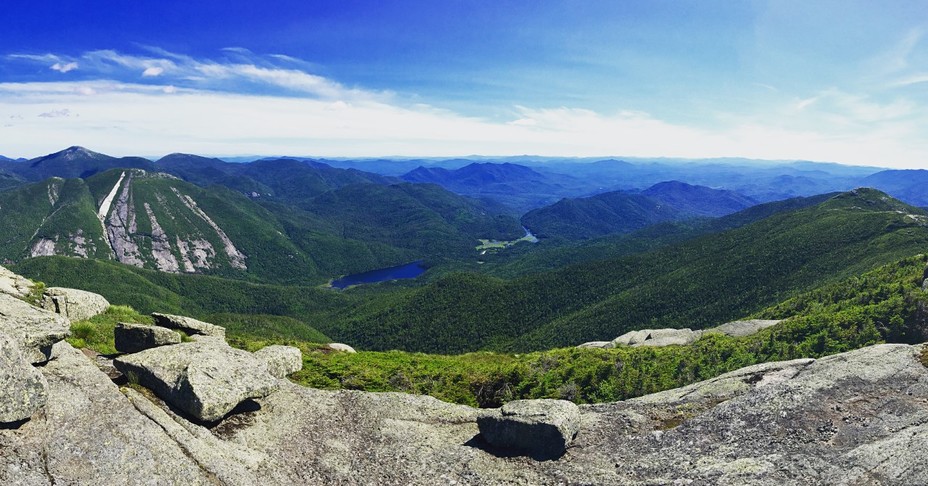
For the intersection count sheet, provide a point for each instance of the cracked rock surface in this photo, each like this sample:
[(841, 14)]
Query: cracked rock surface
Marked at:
[(854, 418), (34, 329), (206, 378), (22, 387)]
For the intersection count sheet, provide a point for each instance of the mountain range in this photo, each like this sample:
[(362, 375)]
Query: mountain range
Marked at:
[(280, 220), (518, 186), (497, 316), (623, 212)]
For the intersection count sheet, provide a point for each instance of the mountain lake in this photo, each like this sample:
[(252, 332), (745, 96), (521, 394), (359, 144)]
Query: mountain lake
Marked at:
[(409, 270)]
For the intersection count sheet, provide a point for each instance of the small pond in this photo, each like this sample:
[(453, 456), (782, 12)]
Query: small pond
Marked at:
[(409, 270)]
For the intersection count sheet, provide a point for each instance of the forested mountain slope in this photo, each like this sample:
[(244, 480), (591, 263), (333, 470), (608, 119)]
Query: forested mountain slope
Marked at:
[(623, 212), (695, 284), (554, 254), (517, 186), (148, 220)]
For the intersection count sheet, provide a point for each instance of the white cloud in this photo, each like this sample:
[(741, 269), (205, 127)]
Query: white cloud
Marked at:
[(242, 71), (210, 107), (125, 118), (153, 71), (910, 80), (64, 67)]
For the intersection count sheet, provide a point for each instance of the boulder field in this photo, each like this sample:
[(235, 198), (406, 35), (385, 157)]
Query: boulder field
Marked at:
[(855, 418)]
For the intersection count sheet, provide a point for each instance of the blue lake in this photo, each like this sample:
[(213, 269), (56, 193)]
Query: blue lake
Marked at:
[(409, 270)]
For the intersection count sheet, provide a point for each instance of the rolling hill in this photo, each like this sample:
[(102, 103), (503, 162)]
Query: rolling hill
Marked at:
[(623, 212)]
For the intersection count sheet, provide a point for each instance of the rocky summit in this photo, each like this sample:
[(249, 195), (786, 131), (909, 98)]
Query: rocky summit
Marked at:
[(854, 418)]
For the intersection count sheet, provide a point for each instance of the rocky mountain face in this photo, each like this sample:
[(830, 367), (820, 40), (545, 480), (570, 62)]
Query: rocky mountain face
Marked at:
[(137, 236), (139, 218), (854, 418)]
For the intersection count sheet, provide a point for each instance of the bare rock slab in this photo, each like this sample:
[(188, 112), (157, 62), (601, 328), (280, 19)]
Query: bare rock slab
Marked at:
[(205, 378), (13, 284), (23, 389), (34, 329), (89, 433), (658, 337), (340, 347), (597, 344), (132, 338), (281, 360), (189, 325), (542, 429), (76, 305), (744, 328)]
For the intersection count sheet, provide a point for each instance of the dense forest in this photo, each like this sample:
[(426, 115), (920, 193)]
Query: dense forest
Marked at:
[(492, 319)]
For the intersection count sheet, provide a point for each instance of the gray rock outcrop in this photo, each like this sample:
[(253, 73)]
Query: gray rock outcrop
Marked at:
[(13, 284), (340, 347), (22, 387), (668, 337), (132, 338), (188, 325), (204, 378), (542, 429), (34, 330), (854, 418), (744, 328), (597, 344), (89, 433), (281, 360), (658, 337), (74, 304)]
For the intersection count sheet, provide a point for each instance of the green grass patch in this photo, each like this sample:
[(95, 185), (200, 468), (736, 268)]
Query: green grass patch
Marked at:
[(96, 333), (35, 294)]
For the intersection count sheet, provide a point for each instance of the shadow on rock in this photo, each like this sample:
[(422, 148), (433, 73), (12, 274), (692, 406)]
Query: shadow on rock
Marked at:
[(13, 425), (478, 442)]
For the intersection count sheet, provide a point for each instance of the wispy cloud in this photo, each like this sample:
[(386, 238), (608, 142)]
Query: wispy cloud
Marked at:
[(243, 103), (64, 67), (910, 80), (54, 62), (241, 72)]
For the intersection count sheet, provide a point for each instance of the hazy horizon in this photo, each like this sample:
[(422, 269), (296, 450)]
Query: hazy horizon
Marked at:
[(841, 82)]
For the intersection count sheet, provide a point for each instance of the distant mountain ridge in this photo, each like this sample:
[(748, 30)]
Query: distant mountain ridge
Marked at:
[(75, 162), (518, 186), (910, 186), (622, 212), (693, 200), (522, 183), (287, 179)]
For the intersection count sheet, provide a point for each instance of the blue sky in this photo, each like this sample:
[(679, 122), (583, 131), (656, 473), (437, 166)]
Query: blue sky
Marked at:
[(838, 81)]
